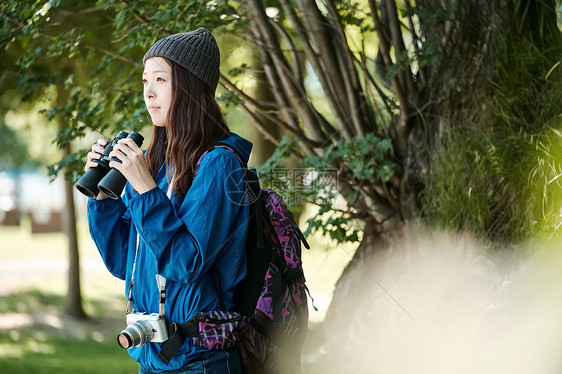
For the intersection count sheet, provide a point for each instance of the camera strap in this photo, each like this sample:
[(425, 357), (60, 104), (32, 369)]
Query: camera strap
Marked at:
[(130, 308), (160, 280)]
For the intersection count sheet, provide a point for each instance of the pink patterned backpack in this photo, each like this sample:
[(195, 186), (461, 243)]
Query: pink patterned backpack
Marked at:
[(271, 317)]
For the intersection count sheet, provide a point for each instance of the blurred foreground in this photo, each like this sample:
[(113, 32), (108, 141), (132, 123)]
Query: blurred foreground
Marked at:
[(441, 303)]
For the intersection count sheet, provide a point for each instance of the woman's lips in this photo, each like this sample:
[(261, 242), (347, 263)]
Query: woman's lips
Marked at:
[(153, 108)]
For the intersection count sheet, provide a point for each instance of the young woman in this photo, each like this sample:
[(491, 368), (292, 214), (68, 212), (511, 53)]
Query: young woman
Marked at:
[(183, 225)]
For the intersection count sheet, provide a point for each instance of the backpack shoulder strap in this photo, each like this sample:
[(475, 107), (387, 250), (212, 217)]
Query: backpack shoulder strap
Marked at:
[(259, 253), (258, 256), (254, 189), (214, 146)]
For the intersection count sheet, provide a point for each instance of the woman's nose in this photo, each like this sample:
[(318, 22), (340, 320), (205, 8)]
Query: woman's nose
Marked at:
[(149, 92)]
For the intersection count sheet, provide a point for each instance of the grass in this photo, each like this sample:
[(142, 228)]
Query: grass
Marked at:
[(64, 356), (35, 334), (37, 337)]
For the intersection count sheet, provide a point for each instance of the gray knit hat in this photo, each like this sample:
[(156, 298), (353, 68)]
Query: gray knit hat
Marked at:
[(197, 51)]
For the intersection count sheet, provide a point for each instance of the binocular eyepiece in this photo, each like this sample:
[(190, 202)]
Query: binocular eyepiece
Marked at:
[(103, 177)]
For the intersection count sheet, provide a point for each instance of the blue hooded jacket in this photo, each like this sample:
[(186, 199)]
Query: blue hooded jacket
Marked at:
[(182, 239)]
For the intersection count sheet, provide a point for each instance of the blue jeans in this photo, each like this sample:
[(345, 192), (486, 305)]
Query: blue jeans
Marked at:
[(220, 362)]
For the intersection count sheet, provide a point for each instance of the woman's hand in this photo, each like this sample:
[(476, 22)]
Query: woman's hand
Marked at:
[(133, 165), (93, 156)]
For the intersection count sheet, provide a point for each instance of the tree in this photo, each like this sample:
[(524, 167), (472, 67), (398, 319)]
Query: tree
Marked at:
[(34, 81), (426, 109), (13, 149), (437, 124)]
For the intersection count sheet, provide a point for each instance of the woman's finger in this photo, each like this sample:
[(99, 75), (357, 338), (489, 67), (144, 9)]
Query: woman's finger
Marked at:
[(119, 152), (90, 164), (99, 146), (130, 143), (116, 165), (94, 156), (126, 147)]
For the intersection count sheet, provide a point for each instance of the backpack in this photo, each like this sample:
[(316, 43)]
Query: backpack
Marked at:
[(270, 321)]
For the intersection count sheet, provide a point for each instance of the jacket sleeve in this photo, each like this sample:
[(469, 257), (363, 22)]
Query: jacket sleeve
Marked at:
[(110, 230), (186, 244)]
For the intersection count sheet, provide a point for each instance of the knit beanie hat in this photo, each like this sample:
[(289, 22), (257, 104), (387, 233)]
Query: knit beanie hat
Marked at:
[(196, 51)]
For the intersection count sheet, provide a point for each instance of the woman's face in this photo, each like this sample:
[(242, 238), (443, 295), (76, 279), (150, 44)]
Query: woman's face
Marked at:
[(157, 82)]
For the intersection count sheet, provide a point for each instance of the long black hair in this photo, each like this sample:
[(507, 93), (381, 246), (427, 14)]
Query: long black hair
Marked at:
[(194, 123)]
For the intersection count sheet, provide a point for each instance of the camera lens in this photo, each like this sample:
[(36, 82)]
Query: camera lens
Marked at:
[(135, 335)]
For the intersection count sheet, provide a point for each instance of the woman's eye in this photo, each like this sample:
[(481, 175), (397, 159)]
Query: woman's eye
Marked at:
[(144, 81), (159, 79)]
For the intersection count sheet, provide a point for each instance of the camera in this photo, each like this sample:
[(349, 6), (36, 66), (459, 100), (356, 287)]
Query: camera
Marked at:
[(141, 329), (104, 178)]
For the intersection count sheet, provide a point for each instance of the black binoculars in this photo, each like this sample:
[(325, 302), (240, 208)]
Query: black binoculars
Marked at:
[(102, 177)]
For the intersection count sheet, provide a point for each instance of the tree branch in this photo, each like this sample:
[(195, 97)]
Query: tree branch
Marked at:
[(114, 55), (399, 47), (258, 106), (349, 74), (296, 64), (319, 68), (277, 90), (265, 36), (373, 82), (321, 35), (265, 132), (97, 49), (145, 21), (402, 127), (273, 138), (67, 13), (415, 40)]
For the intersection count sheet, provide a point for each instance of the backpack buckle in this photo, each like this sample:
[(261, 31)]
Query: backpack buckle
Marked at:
[(172, 328)]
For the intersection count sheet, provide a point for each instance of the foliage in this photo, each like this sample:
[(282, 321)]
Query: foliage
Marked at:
[(499, 176), (545, 184), (13, 149), (101, 80), (384, 95), (314, 181)]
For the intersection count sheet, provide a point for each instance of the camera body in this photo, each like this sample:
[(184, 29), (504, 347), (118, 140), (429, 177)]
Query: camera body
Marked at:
[(143, 328)]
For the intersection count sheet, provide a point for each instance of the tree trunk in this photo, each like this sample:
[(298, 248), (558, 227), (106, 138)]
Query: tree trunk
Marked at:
[(73, 305), (362, 281), (376, 238), (263, 148)]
